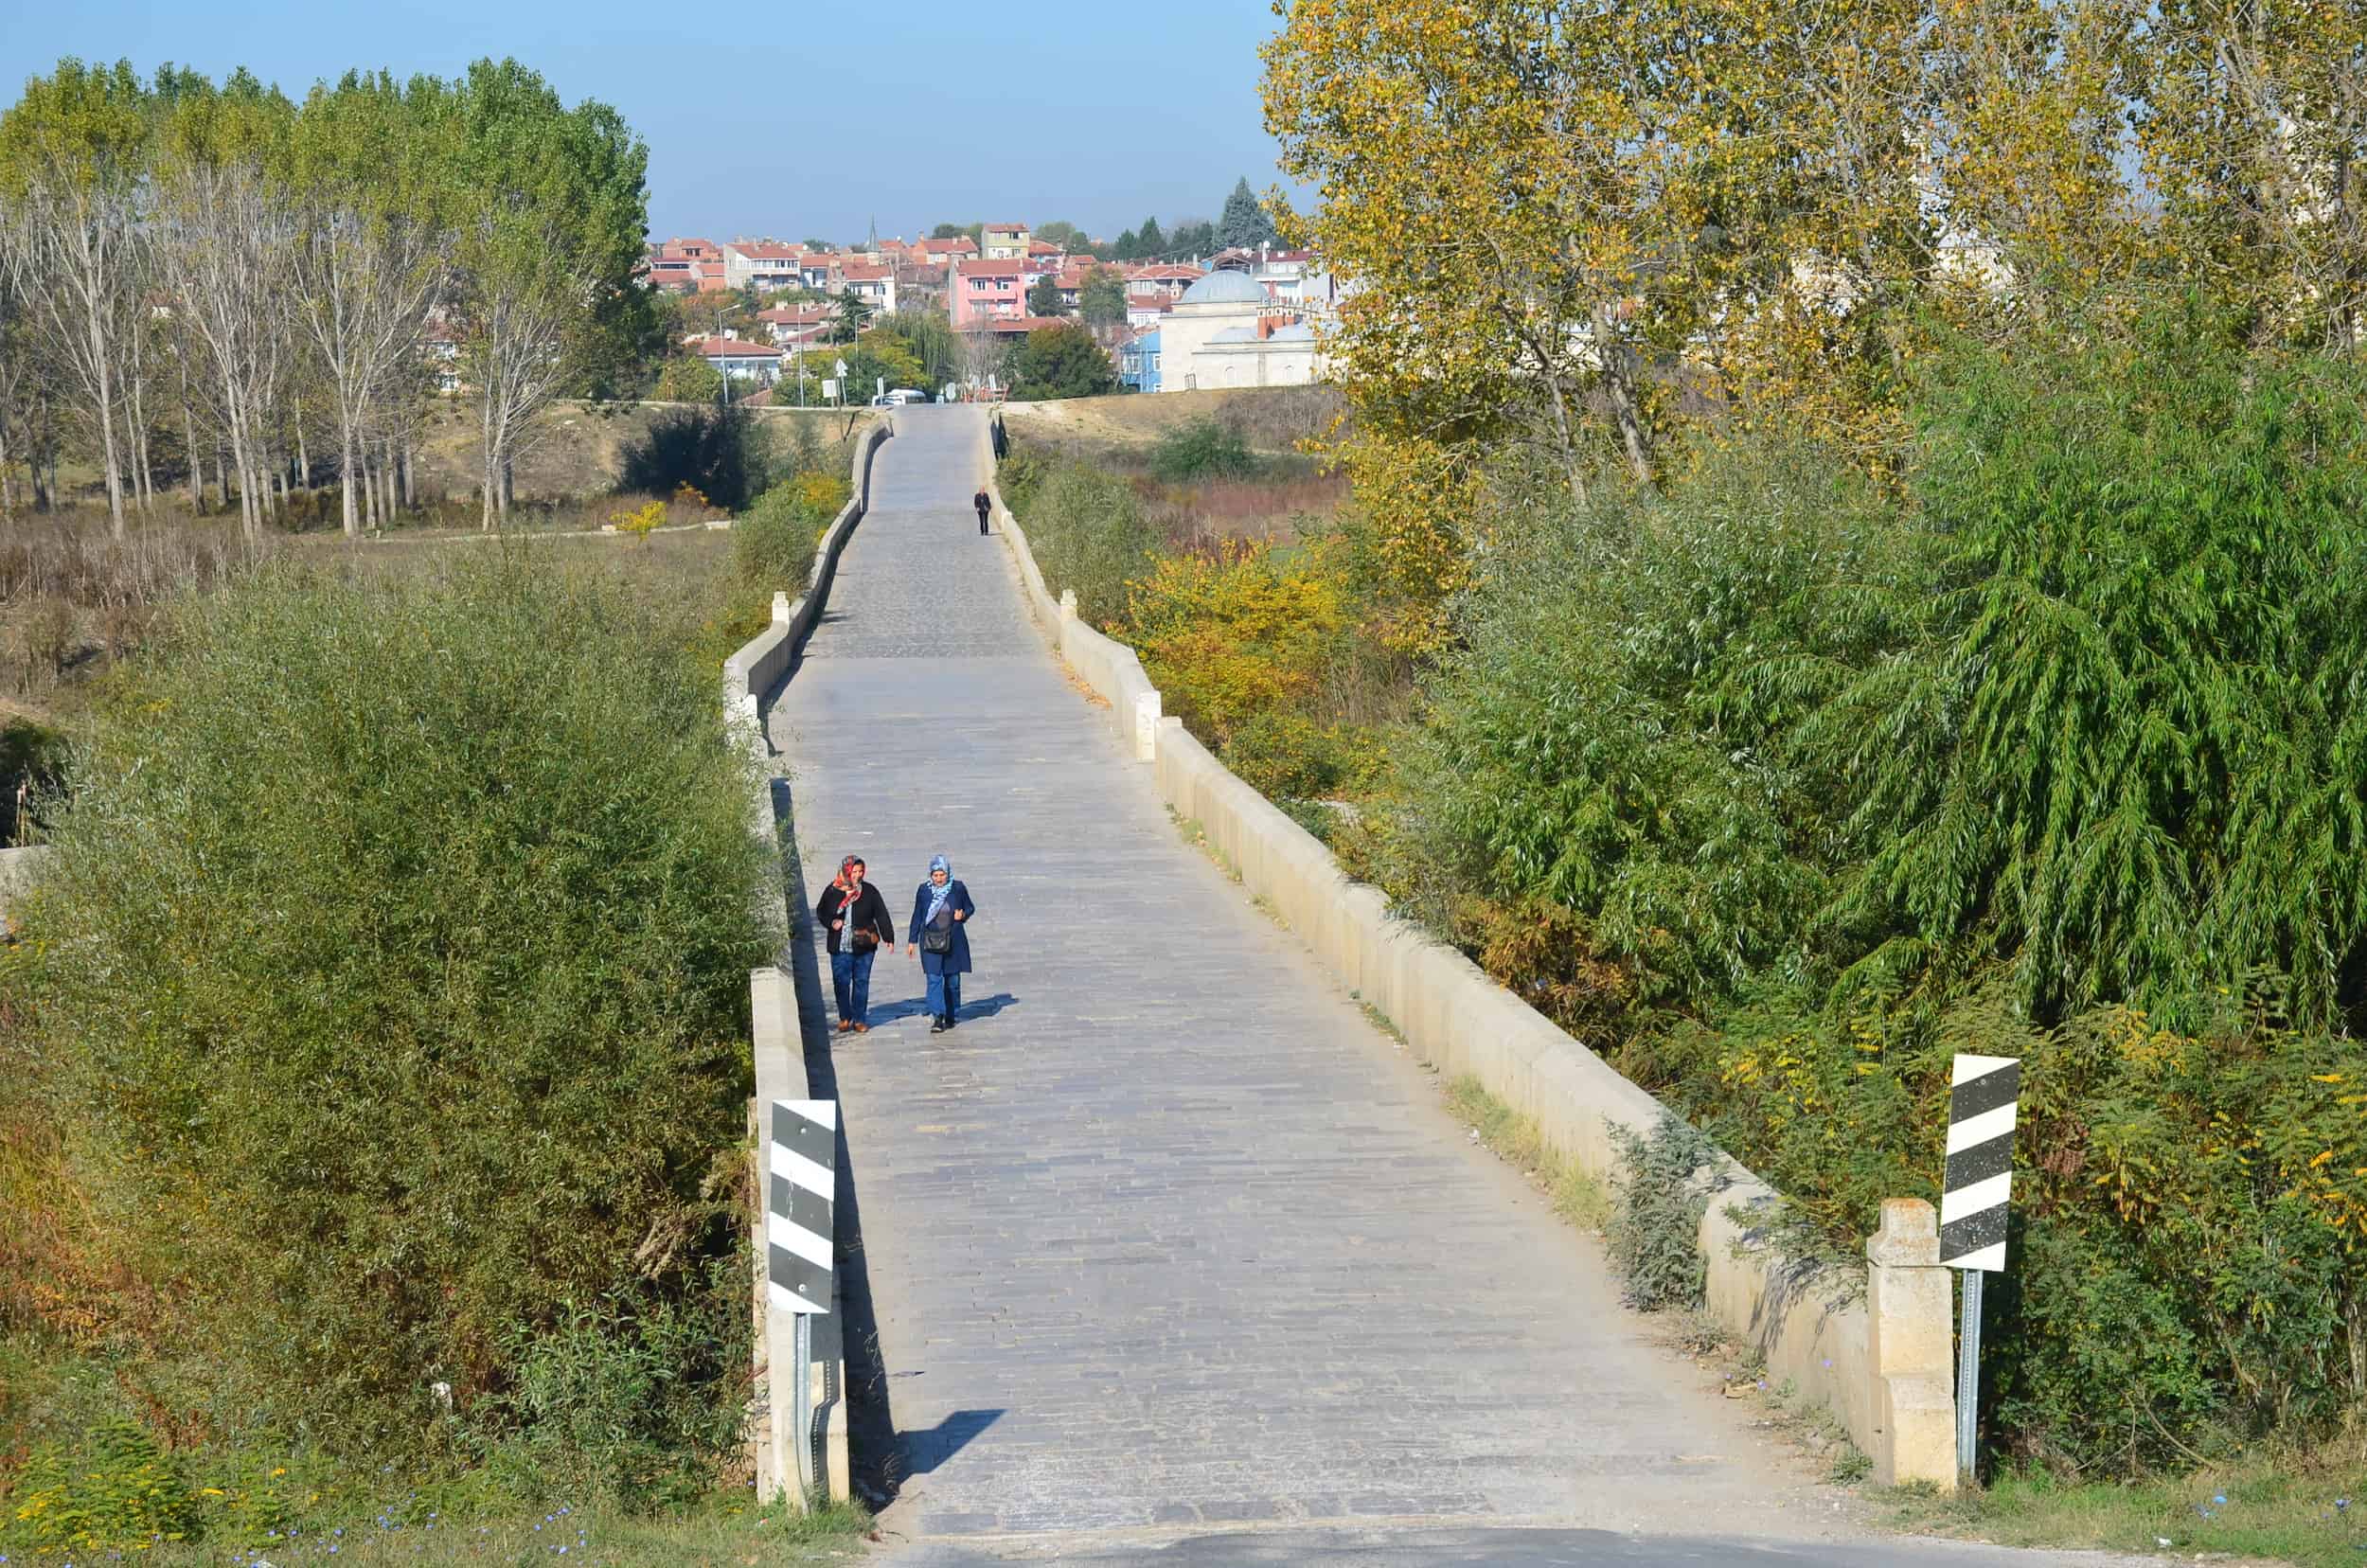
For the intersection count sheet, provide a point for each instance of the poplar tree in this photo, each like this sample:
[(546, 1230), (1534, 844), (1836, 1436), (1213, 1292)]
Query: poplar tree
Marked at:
[(224, 241), (72, 156), (371, 177)]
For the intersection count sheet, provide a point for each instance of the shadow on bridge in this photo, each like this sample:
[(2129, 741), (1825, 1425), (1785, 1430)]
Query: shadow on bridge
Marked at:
[(925, 1450), (873, 1453)]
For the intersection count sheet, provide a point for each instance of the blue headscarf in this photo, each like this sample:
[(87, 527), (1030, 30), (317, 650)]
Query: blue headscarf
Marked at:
[(939, 895)]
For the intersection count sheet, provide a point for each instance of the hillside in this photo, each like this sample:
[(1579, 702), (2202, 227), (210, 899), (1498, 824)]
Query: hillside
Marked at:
[(576, 456)]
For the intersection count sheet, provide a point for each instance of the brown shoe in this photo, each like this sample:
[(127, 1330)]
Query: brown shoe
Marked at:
[(843, 1026), (863, 1028)]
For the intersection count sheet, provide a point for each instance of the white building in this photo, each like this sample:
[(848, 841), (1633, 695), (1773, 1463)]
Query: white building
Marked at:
[(762, 264), (1228, 331), (739, 359)]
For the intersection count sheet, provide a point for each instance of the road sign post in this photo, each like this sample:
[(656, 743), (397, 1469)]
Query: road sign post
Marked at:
[(800, 1234), (1984, 1099)]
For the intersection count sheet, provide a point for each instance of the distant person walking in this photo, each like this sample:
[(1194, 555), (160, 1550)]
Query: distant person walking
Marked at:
[(856, 917), (985, 505), (941, 911)]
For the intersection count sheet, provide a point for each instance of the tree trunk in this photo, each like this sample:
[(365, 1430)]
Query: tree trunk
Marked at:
[(1618, 361), (1568, 440), (348, 463), (143, 475), (369, 487), (510, 486), (410, 477), (189, 447), (490, 480), (107, 454), (303, 457)]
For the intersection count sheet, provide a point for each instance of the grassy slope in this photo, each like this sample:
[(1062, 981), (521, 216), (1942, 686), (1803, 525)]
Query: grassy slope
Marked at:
[(1271, 419)]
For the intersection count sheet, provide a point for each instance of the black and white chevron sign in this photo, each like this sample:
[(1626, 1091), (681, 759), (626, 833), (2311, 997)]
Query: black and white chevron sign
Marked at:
[(802, 1175), (1981, 1107)]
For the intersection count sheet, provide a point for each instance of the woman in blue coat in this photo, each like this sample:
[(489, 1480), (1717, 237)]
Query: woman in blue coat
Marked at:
[(939, 934)]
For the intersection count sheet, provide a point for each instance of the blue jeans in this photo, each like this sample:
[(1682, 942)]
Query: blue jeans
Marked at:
[(850, 975), (945, 995)]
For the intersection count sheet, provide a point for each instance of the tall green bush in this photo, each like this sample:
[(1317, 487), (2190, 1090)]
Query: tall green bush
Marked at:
[(723, 453), (1201, 449), (1087, 533), (1610, 733), (774, 541), (2133, 761), (1797, 788), (396, 954)]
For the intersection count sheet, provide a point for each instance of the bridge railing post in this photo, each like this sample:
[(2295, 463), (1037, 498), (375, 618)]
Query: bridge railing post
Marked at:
[(1147, 716), (1911, 1344)]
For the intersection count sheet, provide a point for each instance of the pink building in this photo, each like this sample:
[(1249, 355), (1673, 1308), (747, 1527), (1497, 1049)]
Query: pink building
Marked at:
[(979, 291)]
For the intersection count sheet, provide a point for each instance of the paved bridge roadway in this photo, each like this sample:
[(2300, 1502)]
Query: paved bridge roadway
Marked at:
[(1165, 1241)]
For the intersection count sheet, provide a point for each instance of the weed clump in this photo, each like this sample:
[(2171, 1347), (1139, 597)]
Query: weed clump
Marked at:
[(1658, 1200)]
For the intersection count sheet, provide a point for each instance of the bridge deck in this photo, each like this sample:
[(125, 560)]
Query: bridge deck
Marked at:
[(1167, 1234)]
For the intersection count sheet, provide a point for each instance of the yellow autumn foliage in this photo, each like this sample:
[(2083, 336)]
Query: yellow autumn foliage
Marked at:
[(1230, 637)]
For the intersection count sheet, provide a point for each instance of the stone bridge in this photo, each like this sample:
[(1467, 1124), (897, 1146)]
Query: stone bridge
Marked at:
[(1169, 1252)]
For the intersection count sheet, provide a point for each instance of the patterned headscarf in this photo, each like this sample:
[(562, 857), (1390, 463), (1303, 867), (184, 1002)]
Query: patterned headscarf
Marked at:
[(845, 881), (937, 894)]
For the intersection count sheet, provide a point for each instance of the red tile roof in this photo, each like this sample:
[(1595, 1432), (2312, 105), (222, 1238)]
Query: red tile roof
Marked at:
[(798, 316), (865, 272), (756, 252), (716, 348)]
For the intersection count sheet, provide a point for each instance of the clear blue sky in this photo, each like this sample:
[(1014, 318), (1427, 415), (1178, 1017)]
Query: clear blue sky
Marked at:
[(811, 117)]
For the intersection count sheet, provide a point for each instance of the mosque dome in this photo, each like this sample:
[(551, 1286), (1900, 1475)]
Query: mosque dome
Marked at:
[(1225, 288)]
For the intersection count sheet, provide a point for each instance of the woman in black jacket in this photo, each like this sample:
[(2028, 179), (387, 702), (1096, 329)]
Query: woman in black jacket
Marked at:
[(856, 917)]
